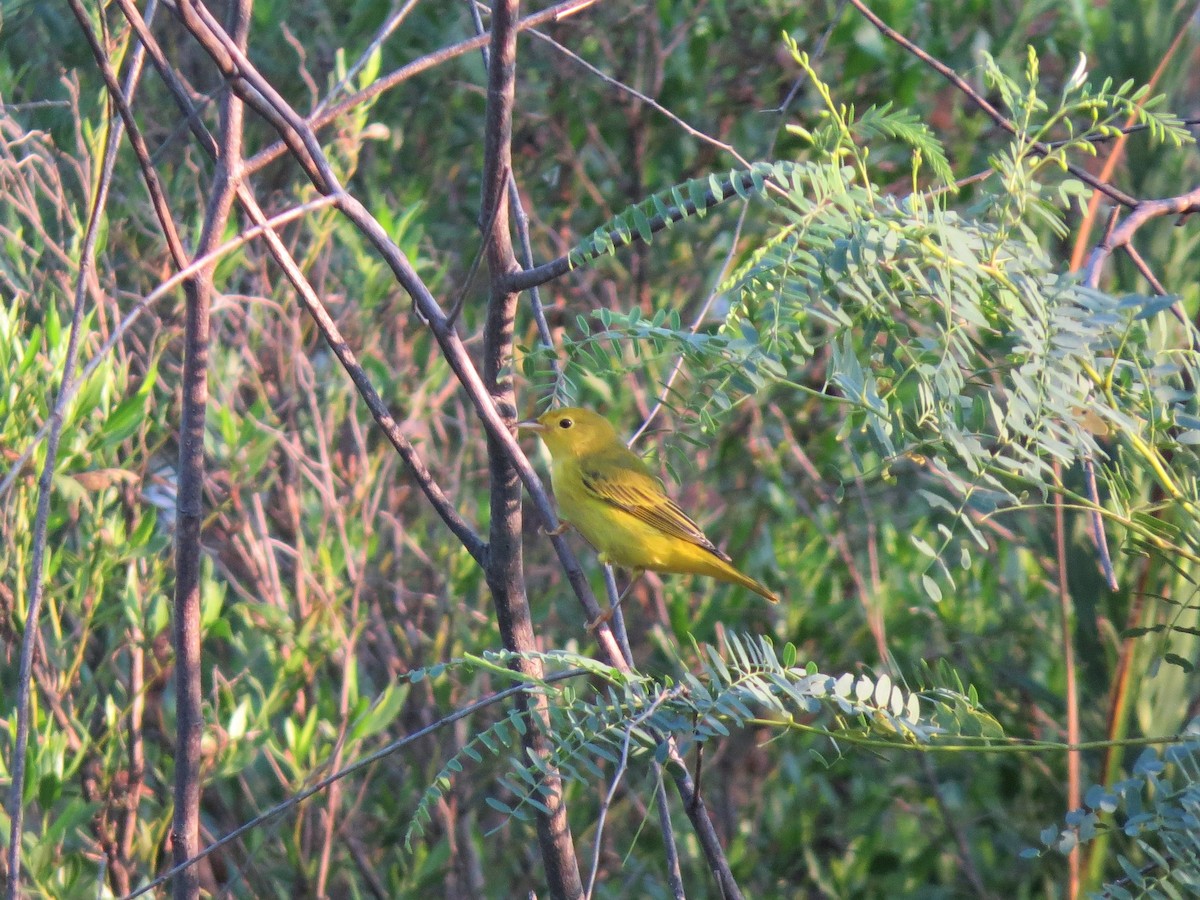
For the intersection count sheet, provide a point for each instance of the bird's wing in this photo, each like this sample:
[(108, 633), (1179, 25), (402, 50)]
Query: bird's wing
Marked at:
[(626, 483)]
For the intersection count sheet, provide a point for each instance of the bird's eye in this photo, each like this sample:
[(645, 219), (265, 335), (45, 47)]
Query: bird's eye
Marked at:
[(565, 423)]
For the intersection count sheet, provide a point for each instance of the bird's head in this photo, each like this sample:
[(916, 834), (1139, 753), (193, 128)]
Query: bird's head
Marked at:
[(571, 431)]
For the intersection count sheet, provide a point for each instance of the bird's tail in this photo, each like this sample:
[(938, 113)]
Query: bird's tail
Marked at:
[(733, 575)]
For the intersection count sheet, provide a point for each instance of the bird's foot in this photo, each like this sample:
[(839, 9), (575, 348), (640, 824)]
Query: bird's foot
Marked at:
[(603, 619)]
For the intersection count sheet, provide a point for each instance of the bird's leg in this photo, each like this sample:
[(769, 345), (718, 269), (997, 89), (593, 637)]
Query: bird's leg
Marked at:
[(633, 579), (607, 615), (554, 532)]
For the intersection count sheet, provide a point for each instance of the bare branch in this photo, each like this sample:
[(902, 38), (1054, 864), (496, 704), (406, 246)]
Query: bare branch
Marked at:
[(312, 302), (1142, 212)]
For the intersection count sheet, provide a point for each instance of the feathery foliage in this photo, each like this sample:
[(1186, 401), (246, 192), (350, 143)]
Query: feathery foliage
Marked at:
[(634, 716), (1157, 810)]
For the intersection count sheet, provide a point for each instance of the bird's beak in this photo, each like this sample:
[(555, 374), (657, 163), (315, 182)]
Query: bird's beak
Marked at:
[(532, 425)]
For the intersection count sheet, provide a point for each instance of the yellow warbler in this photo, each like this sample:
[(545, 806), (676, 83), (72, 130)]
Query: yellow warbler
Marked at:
[(609, 494)]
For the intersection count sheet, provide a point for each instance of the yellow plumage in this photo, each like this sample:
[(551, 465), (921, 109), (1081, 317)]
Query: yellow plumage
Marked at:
[(609, 494)]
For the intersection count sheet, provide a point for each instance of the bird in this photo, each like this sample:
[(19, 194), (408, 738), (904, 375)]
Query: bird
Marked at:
[(609, 495)]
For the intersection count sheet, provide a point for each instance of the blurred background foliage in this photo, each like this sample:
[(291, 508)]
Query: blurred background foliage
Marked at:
[(330, 579)]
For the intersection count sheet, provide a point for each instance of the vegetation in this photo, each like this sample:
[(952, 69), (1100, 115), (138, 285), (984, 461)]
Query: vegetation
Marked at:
[(898, 313)]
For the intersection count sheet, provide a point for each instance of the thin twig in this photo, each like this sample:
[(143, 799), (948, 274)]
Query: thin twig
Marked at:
[(618, 617), (867, 595), (521, 221), (699, 135), (456, 307), (674, 872), (697, 322), (618, 774), (32, 630), (385, 31), (189, 502), (965, 856)]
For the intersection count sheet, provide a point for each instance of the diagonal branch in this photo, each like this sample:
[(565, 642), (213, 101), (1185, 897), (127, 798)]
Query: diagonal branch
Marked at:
[(312, 303), (615, 83), (260, 96)]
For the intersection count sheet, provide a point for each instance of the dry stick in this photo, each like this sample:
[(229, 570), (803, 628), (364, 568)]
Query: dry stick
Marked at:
[(1081, 241), (1098, 533), (122, 865), (837, 539), (638, 95), (980, 891), (697, 323), (674, 872), (697, 812), (137, 752), (504, 571), (66, 390), (349, 662), (818, 51), (1040, 148), (618, 618), (1176, 308), (1142, 212), (384, 32), (618, 774), (456, 306)]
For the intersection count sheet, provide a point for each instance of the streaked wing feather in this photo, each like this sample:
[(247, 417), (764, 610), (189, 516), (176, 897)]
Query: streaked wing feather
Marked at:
[(639, 493)]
